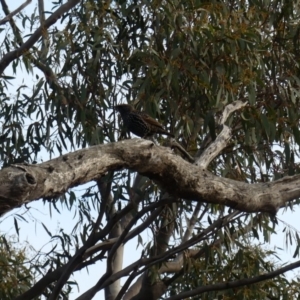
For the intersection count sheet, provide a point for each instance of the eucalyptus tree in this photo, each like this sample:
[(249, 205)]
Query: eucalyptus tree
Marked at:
[(222, 76)]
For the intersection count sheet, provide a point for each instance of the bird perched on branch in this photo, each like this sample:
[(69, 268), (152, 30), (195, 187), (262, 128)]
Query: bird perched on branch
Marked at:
[(140, 123)]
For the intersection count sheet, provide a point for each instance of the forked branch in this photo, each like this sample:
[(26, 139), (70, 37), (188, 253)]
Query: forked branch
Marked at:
[(222, 139)]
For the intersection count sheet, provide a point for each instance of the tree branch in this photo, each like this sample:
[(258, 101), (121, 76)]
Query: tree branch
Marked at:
[(192, 222), (49, 74), (98, 286), (108, 244), (45, 42), (148, 262), (10, 56), (24, 183), (222, 139), (13, 13), (234, 284)]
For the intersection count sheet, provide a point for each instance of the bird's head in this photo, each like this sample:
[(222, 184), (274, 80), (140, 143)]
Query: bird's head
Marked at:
[(124, 108)]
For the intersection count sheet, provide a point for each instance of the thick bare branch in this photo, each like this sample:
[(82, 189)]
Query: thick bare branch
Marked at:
[(24, 183), (229, 109), (214, 148), (222, 139)]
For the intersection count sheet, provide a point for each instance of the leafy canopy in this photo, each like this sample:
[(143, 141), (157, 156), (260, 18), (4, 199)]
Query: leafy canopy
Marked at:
[(182, 62)]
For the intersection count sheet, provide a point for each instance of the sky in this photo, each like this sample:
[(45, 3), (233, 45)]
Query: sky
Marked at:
[(32, 231)]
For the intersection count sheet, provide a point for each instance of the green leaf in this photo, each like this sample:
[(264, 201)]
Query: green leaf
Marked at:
[(16, 226), (46, 229), (265, 124)]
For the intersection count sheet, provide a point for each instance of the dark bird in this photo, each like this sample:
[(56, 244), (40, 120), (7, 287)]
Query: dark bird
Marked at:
[(140, 123)]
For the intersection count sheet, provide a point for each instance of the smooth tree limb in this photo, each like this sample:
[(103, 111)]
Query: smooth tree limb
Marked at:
[(222, 139)]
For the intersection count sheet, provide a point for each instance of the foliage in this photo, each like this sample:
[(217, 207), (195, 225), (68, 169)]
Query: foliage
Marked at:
[(15, 276), (245, 263), (182, 62)]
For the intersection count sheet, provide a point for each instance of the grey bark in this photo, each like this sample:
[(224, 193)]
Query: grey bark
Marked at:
[(25, 183)]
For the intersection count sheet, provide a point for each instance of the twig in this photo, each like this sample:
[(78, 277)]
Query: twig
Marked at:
[(175, 145), (9, 16), (10, 56)]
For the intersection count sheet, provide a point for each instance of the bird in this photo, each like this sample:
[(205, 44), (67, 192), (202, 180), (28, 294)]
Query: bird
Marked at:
[(139, 123)]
